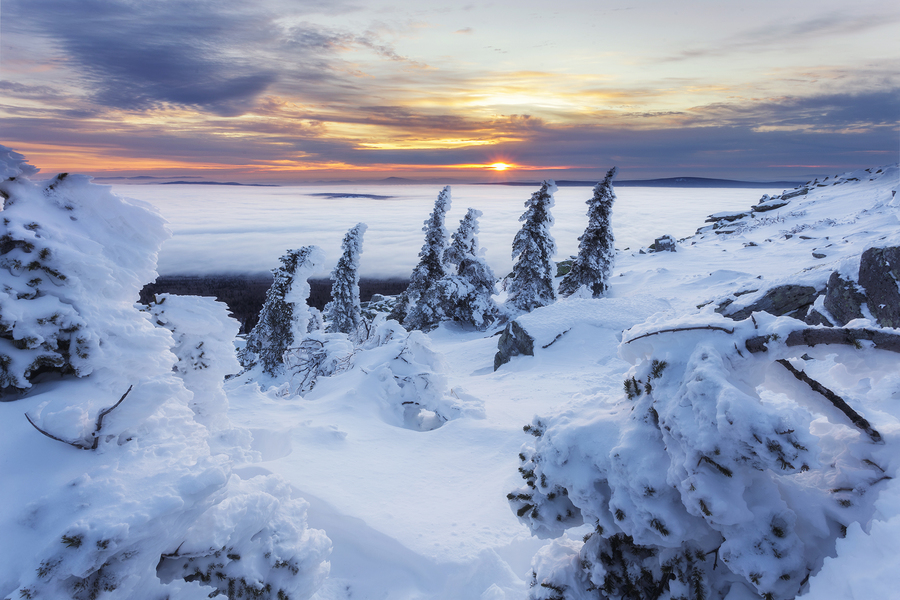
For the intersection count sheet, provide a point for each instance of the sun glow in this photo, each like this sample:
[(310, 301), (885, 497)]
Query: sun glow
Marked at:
[(499, 166)]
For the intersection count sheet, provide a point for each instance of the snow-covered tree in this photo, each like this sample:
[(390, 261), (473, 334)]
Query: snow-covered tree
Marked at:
[(135, 497), (72, 262), (593, 264), (343, 313), (468, 293), (285, 316), (531, 283), (420, 305), (703, 480)]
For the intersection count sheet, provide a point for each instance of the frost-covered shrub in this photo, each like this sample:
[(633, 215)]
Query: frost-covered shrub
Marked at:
[(592, 266), (72, 259), (204, 334), (285, 317), (410, 379), (703, 475), (343, 312), (531, 282), (317, 355)]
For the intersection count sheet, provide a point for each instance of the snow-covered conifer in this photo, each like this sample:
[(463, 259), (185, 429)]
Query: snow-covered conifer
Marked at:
[(468, 294), (342, 313), (531, 284), (593, 264), (421, 305), (284, 318)]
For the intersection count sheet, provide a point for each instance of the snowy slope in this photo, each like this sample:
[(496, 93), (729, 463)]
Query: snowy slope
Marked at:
[(414, 502), (424, 514)]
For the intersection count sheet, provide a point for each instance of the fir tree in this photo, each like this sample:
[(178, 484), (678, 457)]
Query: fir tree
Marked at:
[(284, 318), (343, 312), (531, 284), (593, 265), (420, 306), (468, 294)]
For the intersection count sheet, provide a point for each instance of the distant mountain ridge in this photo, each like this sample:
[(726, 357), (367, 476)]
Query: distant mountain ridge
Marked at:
[(680, 182)]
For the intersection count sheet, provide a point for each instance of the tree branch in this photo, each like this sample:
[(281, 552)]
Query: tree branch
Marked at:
[(835, 400), (82, 444), (699, 327)]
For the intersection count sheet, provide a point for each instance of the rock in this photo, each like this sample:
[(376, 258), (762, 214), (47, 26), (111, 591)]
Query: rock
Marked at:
[(814, 317), (879, 273), (818, 255), (513, 341), (665, 243), (780, 300), (843, 300)]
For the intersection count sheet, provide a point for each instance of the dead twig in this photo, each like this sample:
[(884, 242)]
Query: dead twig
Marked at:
[(698, 328), (835, 400), (95, 435)]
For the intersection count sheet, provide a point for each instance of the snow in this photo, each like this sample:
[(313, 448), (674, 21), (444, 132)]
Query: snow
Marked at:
[(413, 497)]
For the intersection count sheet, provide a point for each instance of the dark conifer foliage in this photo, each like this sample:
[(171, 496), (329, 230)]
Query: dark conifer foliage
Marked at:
[(284, 317), (420, 306), (531, 284), (593, 265), (468, 294), (343, 313)]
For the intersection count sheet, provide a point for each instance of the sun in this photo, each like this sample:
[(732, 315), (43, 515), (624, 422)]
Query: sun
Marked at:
[(499, 166)]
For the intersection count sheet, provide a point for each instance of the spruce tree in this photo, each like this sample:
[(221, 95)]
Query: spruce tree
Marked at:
[(343, 312), (421, 304), (531, 284), (284, 318), (593, 265), (468, 294)]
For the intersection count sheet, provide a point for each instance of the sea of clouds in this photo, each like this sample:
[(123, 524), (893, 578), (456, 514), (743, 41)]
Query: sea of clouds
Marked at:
[(242, 229)]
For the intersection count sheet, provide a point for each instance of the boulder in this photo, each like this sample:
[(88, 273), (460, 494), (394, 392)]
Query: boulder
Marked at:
[(780, 300), (879, 274), (665, 243), (843, 300), (513, 341)]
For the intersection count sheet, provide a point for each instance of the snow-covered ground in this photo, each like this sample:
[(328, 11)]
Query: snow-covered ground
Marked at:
[(415, 514)]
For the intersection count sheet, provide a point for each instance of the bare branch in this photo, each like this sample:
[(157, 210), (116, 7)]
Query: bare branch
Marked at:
[(83, 444), (836, 400), (701, 327), (80, 446)]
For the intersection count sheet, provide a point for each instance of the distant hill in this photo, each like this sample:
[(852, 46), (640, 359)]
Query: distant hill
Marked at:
[(217, 183), (679, 182)]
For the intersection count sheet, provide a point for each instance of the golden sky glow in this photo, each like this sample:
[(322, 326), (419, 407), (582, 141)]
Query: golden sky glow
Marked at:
[(280, 90)]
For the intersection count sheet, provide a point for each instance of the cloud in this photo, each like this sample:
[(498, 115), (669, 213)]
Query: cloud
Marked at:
[(776, 36), (215, 56)]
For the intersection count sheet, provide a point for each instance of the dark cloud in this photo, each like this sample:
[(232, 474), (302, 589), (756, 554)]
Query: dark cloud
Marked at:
[(215, 56)]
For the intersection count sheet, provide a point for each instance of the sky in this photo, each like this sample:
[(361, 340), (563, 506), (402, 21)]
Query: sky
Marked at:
[(290, 91)]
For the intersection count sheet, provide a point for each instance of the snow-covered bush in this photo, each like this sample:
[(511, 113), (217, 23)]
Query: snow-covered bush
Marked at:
[(468, 293), (284, 318), (531, 282), (123, 484), (410, 379), (709, 472), (592, 266), (72, 260), (420, 306), (343, 313), (318, 354)]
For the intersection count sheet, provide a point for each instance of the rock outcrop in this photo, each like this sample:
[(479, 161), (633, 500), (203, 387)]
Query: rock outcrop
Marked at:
[(879, 274), (513, 341)]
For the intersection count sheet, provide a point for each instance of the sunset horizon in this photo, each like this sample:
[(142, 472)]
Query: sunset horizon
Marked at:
[(282, 92)]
